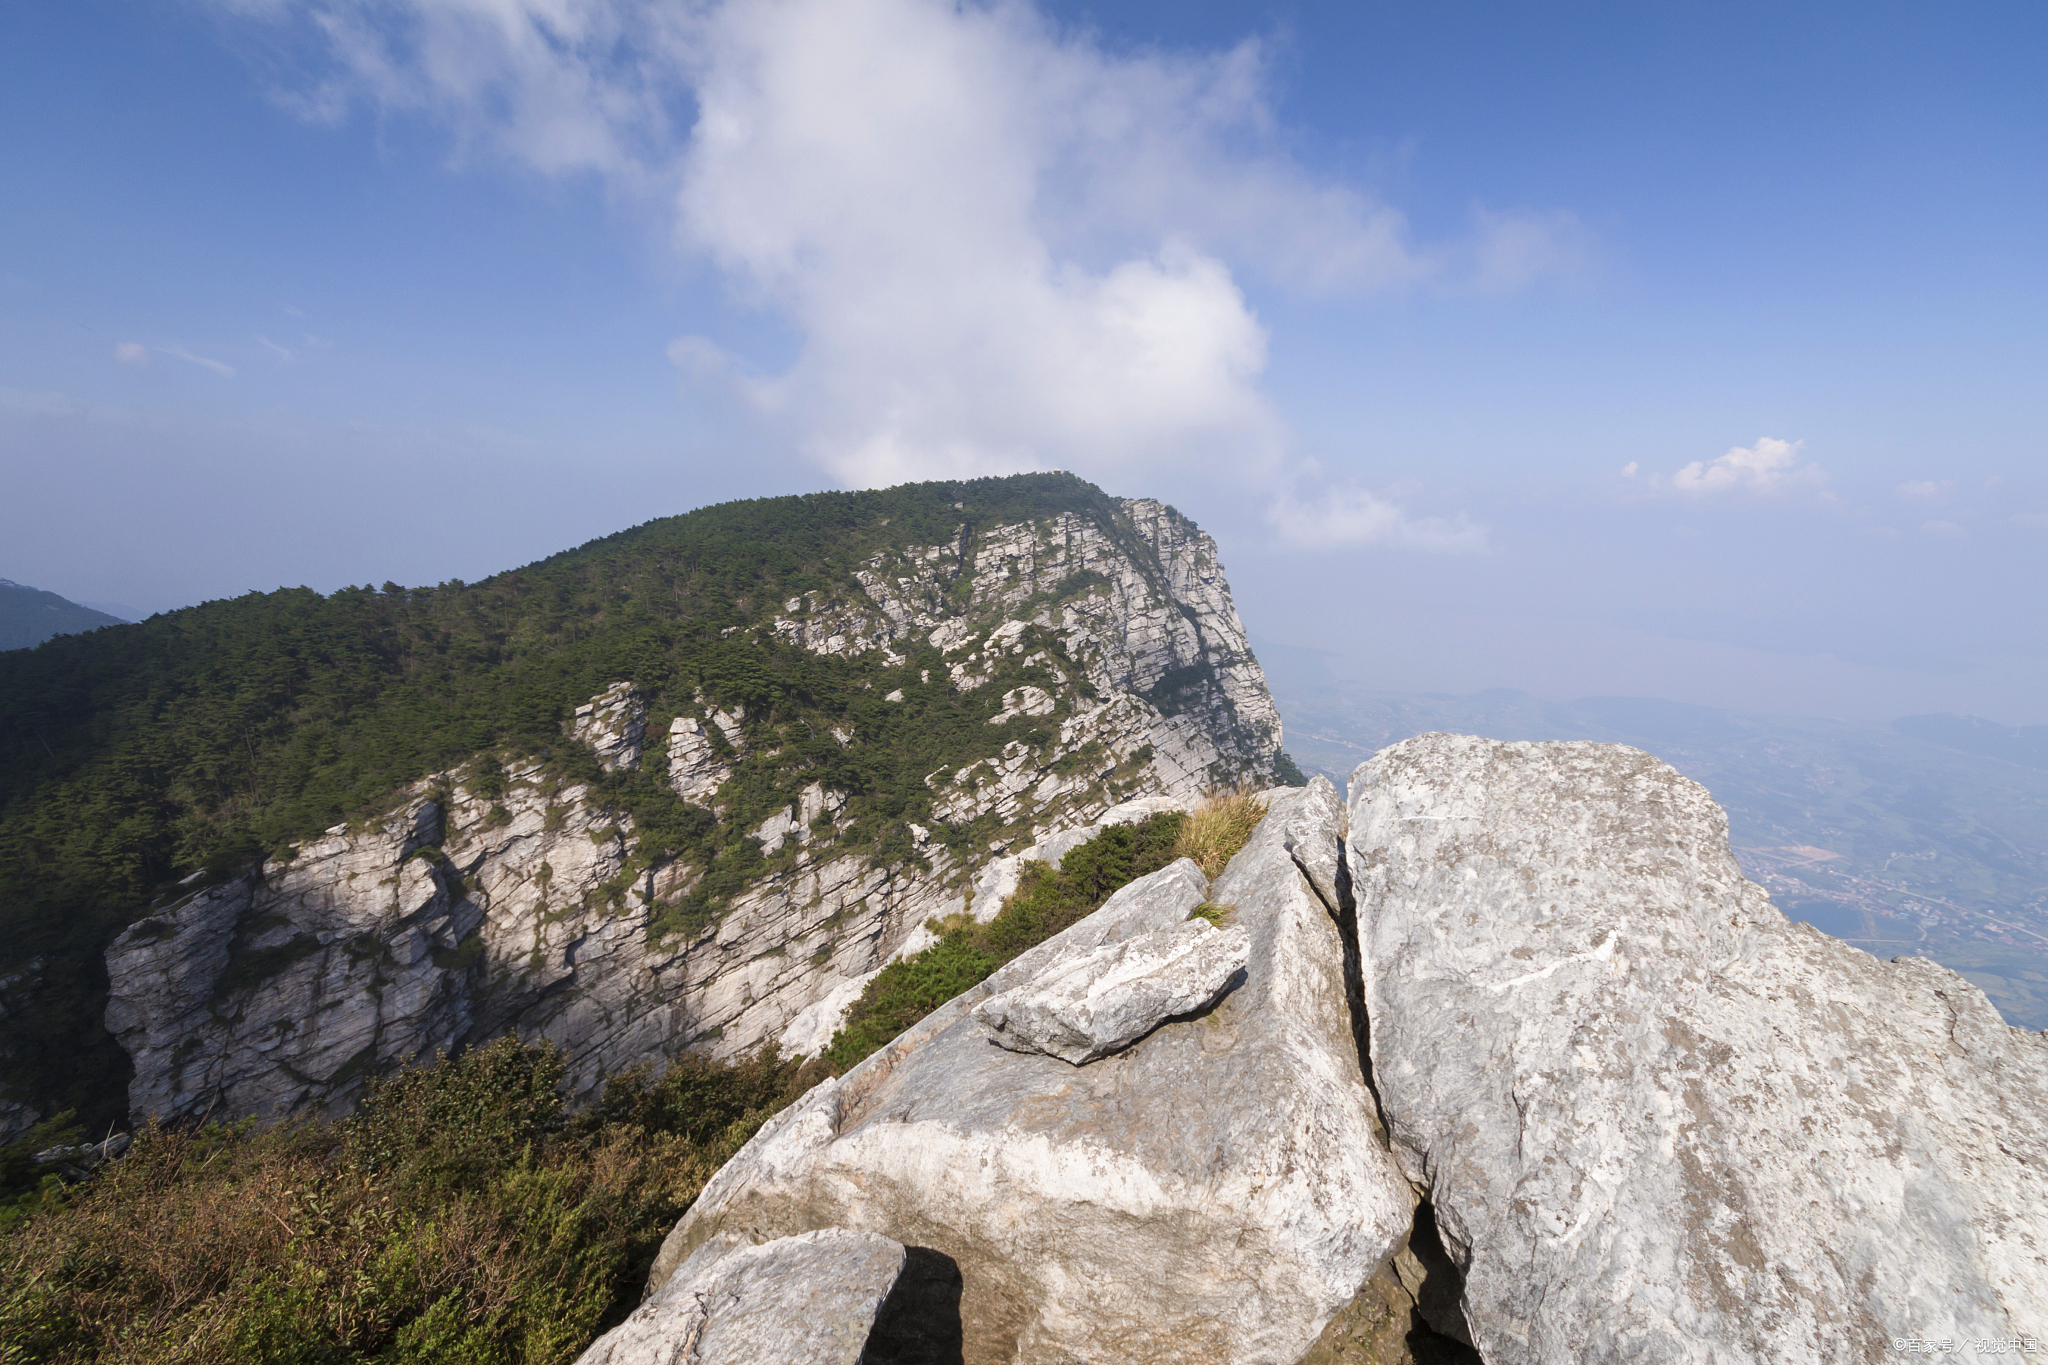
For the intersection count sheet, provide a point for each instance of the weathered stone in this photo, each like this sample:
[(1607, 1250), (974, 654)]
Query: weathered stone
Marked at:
[(1091, 1002), (1657, 1120), (613, 723), (805, 1300), (1214, 1193), (697, 764)]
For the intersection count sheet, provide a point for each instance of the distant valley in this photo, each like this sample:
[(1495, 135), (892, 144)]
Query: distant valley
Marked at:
[(1928, 837)]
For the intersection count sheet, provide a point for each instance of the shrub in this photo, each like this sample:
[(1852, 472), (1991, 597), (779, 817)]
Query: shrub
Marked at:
[(463, 1216)]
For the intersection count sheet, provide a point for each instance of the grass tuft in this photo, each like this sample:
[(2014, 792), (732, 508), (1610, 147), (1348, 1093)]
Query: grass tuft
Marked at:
[(1218, 828)]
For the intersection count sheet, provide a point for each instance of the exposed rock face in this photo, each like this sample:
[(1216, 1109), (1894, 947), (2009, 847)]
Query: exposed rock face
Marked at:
[(462, 915), (1087, 1004), (698, 764), (811, 1299), (1213, 1194), (614, 724), (1155, 637), (1658, 1121)]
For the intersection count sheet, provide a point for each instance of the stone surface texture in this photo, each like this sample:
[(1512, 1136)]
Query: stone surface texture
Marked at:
[(1657, 1120), (1090, 1003), (457, 916), (1215, 1193), (614, 724), (805, 1300)]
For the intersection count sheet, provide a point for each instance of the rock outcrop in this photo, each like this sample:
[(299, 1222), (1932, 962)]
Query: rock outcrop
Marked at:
[(1085, 1005), (484, 903), (831, 1297), (1657, 1120), (1215, 1192)]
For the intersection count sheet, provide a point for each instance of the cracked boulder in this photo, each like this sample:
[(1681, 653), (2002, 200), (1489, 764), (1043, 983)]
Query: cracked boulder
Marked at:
[(1217, 1192), (1657, 1120), (1086, 1004)]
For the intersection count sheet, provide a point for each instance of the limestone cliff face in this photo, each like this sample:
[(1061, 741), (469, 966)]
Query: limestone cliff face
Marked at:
[(477, 907)]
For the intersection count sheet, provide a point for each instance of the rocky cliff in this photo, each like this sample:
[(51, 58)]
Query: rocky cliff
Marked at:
[(1518, 1069), (1071, 661)]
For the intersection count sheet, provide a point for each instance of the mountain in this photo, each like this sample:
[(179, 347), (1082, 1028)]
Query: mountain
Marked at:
[(29, 616), (1929, 837), (662, 793)]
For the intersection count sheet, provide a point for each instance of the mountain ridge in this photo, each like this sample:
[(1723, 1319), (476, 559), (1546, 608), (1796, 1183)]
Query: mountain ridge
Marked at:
[(707, 697)]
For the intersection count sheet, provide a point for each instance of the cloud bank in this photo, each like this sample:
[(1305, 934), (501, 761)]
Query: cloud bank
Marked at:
[(1003, 245)]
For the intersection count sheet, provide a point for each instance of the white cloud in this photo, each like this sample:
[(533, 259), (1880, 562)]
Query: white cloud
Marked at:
[(1769, 468), (1945, 530), (283, 353), (1344, 516), (1003, 245), (1926, 490), (221, 368), (131, 353), (1628, 471), (2035, 519)]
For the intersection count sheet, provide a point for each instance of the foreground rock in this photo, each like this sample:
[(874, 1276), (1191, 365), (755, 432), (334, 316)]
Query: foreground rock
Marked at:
[(831, 1297), (1216, 1193), (1086, 1005), (1659, 1121)]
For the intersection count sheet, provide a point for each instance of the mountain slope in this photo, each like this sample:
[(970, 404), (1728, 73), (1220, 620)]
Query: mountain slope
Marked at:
[(29, 616), (854, 681)]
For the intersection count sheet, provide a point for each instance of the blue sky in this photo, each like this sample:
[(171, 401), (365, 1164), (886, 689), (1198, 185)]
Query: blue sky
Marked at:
[(1387, 297)]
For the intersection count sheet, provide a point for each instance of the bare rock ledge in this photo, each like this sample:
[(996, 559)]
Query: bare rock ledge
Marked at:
[(1658, 1121)]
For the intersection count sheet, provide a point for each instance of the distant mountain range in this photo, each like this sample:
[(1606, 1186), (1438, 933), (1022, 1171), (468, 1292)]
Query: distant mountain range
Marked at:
[(29, 616), (1927, 837)]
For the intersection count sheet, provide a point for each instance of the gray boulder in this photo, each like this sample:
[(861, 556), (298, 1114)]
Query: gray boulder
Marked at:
[(1215, 1193), (1657, 1120), (1090, 1003), (821, 1298)]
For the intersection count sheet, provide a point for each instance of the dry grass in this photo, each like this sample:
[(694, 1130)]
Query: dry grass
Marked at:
[(394, 1238), (1218, 828)]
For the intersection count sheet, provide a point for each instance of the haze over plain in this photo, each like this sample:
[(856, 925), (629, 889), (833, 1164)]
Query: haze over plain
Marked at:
[(1690, 353)]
